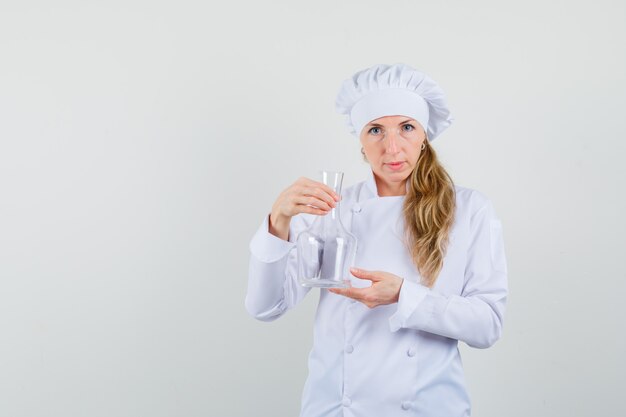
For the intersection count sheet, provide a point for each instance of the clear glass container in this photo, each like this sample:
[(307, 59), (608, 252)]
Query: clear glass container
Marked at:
[(326, 250)]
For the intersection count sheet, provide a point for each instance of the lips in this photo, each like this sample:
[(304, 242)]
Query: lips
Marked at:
[(395, 165)]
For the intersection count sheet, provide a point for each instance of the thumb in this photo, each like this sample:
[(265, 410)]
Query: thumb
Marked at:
[(362, 273)]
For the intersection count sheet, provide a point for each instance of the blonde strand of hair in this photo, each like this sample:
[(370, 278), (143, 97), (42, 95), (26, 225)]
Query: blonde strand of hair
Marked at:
[(428, 212)]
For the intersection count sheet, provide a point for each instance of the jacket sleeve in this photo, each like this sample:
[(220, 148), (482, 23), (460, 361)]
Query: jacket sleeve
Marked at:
[(273, 286), (476, 315)]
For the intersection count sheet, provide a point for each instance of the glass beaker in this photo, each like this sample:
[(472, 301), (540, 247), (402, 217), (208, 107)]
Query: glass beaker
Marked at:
[(326, 250)]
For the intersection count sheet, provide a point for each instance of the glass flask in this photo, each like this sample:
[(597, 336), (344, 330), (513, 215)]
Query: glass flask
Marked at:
[(326, 250)]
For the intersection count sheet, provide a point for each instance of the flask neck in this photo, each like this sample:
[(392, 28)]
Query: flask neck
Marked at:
[(334, 212), (333, 179)]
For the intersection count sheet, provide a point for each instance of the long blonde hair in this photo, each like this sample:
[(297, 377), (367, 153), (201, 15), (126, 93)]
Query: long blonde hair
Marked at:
[(428, 210)]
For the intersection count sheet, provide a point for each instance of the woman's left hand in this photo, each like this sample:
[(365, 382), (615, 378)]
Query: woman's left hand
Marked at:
[(385, 288)]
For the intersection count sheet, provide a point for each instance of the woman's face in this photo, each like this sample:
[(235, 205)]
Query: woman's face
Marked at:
[(392, 146)]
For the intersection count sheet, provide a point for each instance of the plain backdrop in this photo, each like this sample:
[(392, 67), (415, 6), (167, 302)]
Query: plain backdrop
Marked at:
[(142, 142)]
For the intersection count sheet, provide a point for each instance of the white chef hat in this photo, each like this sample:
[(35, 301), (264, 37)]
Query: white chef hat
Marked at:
[(388, 90)]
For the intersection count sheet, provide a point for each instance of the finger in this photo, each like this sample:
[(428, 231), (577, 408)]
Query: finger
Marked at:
[(321, 191), (326, 188), (363, 295), (326, 195), (332, 193), (362, 273), (302, 208), (356, 293), (315, 202)]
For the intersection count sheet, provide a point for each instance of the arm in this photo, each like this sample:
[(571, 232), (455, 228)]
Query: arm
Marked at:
[(476, 316), (273, 287)]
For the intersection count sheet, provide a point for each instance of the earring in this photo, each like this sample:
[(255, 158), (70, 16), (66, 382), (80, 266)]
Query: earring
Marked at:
[(423, 146)]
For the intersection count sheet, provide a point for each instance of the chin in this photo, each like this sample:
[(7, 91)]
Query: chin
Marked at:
[(398, 175)]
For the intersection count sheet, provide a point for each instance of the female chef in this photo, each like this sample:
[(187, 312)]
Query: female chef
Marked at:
[(430, 251)]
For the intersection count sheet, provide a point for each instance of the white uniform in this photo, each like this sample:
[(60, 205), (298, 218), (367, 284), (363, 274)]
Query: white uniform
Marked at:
[(400, 359)]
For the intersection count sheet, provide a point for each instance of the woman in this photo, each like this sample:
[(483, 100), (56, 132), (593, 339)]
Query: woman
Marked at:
[(432, 252)]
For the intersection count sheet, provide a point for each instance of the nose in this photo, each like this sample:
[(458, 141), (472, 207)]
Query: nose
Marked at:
[(392, 141)]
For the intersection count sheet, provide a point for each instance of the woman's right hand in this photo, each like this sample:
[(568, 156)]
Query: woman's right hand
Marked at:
[(303, 196)]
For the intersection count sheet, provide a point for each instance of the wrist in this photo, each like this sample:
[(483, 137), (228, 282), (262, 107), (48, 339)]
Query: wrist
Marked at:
[(399, 289), (278, 220), (279, 225)]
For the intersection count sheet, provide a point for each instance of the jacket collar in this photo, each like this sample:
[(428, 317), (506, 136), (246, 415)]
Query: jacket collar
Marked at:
[(372, 189)]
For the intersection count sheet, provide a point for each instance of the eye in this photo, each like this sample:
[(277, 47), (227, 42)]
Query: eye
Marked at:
[(408, 127), (374, 130)]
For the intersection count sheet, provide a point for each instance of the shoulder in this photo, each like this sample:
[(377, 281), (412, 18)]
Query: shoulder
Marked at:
[(471, 201), (470, 196)]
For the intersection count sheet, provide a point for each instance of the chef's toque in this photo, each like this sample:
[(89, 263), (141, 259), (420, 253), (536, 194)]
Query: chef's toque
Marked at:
[(390, 90)]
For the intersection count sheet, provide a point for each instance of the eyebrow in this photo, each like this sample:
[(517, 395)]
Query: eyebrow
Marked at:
[(401, 123)]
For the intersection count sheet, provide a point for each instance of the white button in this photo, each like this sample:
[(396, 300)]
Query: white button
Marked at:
[(346, 402), (356, 208), (349, 349), (412, 351), (406, 405)]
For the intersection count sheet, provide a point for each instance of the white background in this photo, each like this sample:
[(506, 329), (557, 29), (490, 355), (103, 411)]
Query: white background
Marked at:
[(141, 144)]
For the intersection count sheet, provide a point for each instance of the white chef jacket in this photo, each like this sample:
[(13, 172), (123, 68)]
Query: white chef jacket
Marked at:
[(400, 359)]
